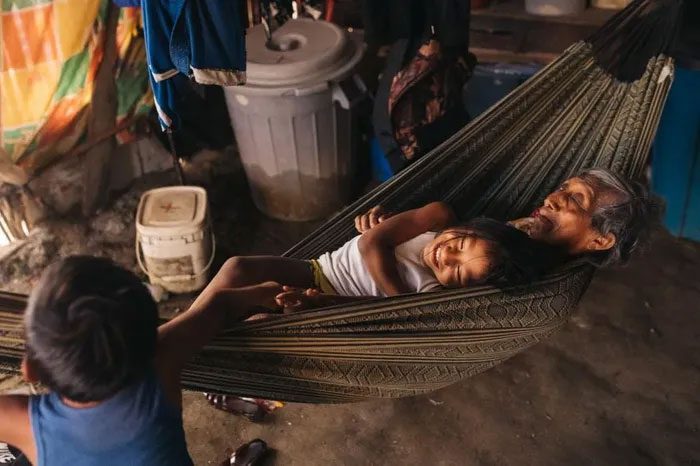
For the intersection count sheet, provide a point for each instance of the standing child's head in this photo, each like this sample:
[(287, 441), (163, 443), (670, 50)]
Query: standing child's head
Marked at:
[(486, 251), (91, 329)]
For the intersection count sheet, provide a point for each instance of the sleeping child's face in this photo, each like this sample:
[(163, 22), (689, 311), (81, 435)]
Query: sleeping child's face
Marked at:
[(457, 259)]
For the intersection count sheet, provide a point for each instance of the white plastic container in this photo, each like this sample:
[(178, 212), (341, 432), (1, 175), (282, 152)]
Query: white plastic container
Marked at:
[(174, 243), (294, 121), (555, 7)]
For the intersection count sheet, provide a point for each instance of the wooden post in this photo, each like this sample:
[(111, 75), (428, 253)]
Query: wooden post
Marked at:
[(102, 118)]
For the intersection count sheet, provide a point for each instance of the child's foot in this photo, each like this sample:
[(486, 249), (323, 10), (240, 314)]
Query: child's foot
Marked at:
[(248, 454), (253, 409)]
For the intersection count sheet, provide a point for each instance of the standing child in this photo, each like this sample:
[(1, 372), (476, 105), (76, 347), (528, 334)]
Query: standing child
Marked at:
[(92, 339)]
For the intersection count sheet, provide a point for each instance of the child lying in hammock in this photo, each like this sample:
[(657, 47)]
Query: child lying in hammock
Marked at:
[(403, 254)]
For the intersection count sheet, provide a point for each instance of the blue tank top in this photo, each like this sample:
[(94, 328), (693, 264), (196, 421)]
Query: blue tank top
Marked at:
[(135, 427)]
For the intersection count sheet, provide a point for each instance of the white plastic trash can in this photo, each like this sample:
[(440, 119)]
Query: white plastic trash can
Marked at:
[(294, 120), (174, 242)]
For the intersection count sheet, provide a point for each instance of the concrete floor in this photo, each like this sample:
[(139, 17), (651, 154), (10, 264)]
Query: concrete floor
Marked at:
[(618, 385)]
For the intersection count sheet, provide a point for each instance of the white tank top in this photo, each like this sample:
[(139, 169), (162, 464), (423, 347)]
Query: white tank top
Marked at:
[(346, 271)]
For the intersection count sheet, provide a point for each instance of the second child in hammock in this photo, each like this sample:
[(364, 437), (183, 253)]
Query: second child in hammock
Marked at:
[(416, 251)]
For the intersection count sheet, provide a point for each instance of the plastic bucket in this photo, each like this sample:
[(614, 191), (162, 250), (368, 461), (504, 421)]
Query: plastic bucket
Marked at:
[(174, 243)]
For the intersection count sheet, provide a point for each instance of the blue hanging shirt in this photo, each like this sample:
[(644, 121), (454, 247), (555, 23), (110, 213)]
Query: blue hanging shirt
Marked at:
[(137, 427), (202, 40)]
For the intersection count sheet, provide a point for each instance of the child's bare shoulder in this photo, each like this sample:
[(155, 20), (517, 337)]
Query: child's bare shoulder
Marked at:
[(14, 404), (15, 426)]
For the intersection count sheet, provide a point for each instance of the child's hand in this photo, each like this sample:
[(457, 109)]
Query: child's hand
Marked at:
[(296, 299), (527, 225), (371, 218)]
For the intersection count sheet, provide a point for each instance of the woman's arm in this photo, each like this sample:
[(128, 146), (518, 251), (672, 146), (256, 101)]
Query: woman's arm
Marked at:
[(185, 335), (377, 244)]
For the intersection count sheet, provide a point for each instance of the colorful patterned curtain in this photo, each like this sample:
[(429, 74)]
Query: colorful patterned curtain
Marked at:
[(51, 50)]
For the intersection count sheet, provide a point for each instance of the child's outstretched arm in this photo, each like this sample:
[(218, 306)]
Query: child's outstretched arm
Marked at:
[(185, 335), (378, 243)]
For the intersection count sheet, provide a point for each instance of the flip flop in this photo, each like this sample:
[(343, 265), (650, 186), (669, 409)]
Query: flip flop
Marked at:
[(249, 454)]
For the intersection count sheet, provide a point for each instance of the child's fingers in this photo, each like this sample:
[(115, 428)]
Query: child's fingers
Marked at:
[(358, 223), (364, 223), (312, 292)]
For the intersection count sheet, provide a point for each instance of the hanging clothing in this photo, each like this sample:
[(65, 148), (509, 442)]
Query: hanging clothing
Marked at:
[(387, 21), (419, 101), (425, 103), (199, 39)]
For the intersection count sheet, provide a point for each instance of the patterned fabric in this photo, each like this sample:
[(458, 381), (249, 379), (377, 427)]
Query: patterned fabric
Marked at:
[(50, 54), (185, 39), (426, 90)]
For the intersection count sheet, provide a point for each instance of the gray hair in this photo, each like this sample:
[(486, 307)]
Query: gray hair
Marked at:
[(630, 216)]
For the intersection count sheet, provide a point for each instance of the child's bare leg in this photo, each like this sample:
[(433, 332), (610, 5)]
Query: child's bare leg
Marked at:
[(244, 271), (250, 270)]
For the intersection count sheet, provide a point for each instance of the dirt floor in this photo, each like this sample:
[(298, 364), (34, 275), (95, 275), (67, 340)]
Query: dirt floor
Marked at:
[(618, 385)]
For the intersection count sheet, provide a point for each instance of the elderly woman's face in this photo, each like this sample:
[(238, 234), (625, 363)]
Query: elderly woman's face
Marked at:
[(564, 219)]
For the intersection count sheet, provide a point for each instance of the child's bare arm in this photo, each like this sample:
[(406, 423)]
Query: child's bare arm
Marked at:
[(378, 214), (15, 425), (377, 244), (184, 336)]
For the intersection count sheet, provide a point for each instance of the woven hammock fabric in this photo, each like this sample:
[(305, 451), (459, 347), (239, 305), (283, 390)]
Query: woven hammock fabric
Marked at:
[(572, 115)]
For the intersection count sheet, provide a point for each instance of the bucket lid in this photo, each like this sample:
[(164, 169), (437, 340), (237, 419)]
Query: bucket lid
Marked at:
[(176, 207), (301, 52)]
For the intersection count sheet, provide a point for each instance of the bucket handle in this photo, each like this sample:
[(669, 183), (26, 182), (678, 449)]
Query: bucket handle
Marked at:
[(174, 278)]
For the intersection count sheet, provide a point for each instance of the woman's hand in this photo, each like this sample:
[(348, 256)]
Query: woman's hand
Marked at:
[(371, 218), (527, 225), (297, 299)]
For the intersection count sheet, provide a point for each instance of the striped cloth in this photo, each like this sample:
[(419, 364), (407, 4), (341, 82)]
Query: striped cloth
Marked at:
[(51, 50)]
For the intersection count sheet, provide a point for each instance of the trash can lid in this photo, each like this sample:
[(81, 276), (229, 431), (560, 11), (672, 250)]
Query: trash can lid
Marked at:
[(301, 53)]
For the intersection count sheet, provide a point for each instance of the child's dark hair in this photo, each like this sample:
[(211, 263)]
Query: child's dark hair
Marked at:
[(515, 258), (91, 328)]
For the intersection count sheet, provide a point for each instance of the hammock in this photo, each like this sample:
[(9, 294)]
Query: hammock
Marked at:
[(597, 105)]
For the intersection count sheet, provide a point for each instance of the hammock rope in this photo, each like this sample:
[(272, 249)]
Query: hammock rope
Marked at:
[(597, 105)]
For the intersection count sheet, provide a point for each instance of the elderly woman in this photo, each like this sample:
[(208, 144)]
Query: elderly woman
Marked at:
[(598, 214)]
